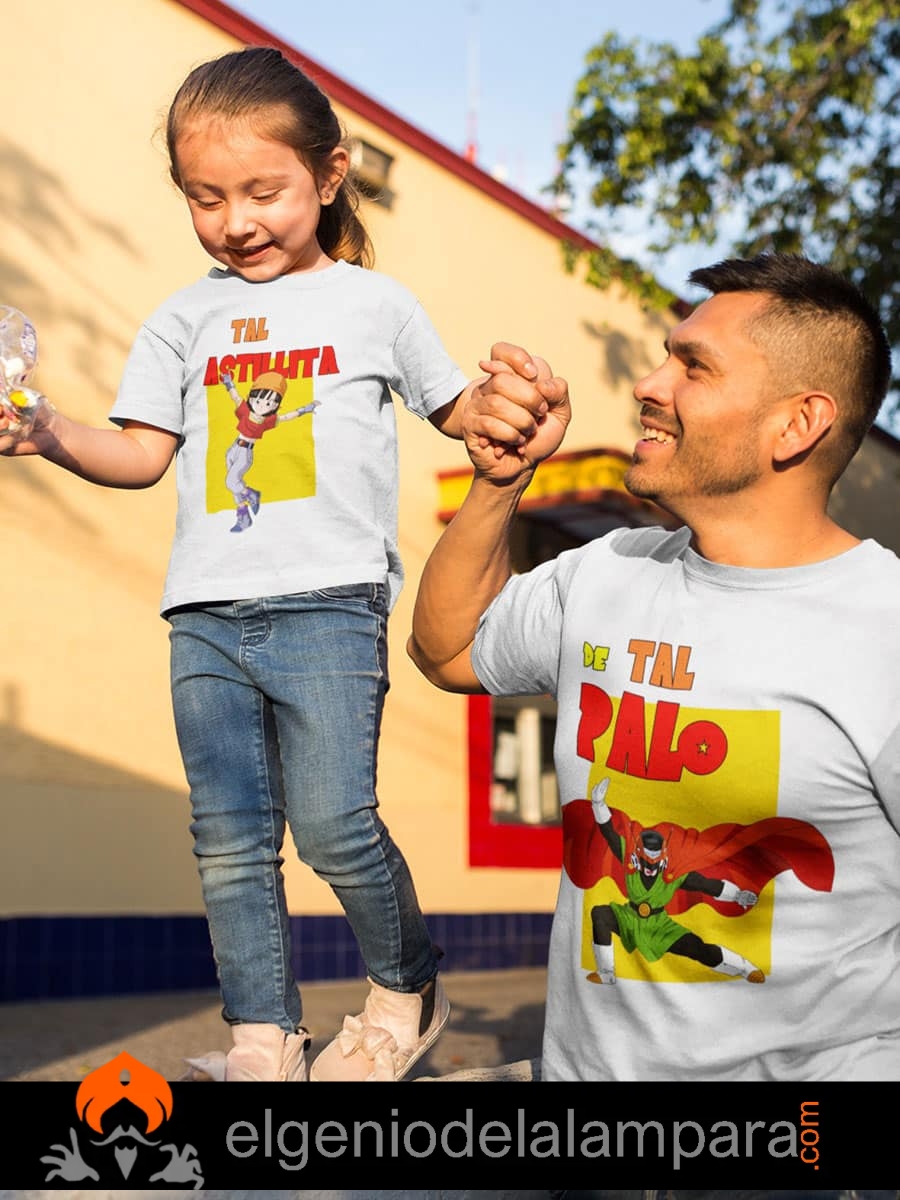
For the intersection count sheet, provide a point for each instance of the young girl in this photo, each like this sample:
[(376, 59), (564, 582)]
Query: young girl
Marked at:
[(278, 637)]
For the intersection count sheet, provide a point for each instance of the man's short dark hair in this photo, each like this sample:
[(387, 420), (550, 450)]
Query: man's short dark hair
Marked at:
[(820, 330)]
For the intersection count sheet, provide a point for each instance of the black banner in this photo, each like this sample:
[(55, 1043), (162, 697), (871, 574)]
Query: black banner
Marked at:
[(810, 1138)]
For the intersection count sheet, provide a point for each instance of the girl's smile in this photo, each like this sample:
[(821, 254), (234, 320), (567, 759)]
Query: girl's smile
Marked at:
[(248, 253)]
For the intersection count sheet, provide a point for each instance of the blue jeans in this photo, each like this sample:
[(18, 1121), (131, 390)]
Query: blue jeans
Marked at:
[(278, 706)]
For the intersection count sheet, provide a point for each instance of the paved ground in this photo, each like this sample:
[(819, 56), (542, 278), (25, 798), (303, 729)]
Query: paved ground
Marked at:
[(496, 1018)]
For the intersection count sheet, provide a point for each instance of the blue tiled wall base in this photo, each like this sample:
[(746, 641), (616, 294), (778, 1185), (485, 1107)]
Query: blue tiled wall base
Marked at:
[(44, 958)]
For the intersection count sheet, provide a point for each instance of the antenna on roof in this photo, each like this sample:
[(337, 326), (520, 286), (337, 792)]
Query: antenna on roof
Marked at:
[(471, 152)]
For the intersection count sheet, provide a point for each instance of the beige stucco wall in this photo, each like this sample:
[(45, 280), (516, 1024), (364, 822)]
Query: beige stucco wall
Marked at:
[(94, 237)]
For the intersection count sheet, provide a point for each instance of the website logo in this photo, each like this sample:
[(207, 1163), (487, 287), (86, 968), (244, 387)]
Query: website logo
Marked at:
[(135, 1102)]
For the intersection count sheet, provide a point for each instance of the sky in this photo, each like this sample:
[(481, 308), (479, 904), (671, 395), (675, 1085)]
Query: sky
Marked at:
[(512, 63)]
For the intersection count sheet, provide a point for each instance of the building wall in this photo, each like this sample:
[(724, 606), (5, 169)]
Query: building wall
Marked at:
[(95, 236), (867, 497)]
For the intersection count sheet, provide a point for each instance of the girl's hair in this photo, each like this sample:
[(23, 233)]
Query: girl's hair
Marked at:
[(261, 85)]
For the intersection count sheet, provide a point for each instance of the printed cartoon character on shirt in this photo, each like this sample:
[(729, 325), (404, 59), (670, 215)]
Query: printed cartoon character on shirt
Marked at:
[(666, 869), (255, 416)]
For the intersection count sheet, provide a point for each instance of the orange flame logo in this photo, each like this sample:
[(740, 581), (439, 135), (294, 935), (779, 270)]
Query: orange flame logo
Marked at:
[(145, 1089)]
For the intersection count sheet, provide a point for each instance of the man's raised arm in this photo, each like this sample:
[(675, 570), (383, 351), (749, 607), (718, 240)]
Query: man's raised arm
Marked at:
[(512, 422)]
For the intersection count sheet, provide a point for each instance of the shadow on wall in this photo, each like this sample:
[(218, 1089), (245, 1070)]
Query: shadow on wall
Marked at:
[(86, 841), (36, 204), (626, 359), (43, 224)]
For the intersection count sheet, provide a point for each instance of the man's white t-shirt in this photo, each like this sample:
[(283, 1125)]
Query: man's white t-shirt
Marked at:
[(752, 718)]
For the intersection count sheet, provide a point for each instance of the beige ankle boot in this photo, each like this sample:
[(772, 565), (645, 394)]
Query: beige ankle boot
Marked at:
[(265, 1054), (391, 1033)]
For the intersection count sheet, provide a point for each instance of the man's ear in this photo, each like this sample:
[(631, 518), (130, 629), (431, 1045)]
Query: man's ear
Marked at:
[(808, 417), (334, 174)]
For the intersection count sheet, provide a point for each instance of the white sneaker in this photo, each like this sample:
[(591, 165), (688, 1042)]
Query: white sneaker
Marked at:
[(392, 1033)]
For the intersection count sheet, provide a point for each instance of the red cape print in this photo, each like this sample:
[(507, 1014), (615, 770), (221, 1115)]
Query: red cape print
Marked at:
[(746, 855)]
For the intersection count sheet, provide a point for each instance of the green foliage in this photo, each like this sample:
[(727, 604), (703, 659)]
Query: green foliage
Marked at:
[(785, 120)]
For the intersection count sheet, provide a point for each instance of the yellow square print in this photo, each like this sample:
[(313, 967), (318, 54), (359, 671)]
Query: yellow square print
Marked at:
[(284, 464), (743, 790)]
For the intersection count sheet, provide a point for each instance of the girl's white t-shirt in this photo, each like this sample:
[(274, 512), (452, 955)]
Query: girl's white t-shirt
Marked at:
[(327, 482)]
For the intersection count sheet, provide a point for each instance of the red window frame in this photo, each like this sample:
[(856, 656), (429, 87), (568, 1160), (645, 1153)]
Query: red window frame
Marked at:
[(492, 844)]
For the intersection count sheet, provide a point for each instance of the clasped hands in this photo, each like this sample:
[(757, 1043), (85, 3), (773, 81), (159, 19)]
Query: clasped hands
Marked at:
[(516, 416)]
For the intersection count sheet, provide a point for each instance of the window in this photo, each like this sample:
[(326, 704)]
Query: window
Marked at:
[(371, 168), (523, 788), (503, 839)]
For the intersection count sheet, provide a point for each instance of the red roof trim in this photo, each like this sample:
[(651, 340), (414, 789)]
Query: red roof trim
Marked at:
[(247, 31)]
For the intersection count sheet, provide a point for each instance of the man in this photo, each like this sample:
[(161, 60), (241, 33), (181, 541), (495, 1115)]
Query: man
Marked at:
[(747, 711)]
